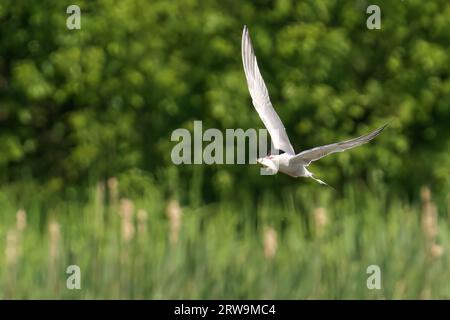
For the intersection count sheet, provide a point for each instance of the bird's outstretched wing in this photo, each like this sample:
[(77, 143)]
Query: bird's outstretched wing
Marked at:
[(307, 156), (260, 97)]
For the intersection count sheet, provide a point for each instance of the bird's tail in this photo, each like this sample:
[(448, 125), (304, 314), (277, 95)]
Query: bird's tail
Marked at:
[(309, 174), (320, 181)]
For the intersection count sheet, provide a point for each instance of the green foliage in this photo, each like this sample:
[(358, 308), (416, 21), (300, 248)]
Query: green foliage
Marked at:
[(104, 99)]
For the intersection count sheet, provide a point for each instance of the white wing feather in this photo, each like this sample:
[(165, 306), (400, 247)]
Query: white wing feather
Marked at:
[(260, 97), (305, 157)]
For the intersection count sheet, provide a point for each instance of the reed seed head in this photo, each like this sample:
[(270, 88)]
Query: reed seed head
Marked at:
[(126, 208), (425, 194), (126, 212), (174, 214), (55, 235), (21, 220), (436, 250), (430, 221), (270, 243), (320, 220)]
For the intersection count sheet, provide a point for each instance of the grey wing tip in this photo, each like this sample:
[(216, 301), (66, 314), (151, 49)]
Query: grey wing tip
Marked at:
[(377, 131), (244, 33), (383, 127)]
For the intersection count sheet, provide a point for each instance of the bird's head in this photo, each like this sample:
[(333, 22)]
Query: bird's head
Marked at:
[(265, 161), (268, 161)]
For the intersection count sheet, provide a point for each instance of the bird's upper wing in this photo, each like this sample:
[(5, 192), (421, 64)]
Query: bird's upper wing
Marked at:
[(260, 97), (305, 157)]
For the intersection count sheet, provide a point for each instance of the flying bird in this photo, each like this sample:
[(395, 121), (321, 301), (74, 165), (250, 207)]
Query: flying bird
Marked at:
[(292, 164)]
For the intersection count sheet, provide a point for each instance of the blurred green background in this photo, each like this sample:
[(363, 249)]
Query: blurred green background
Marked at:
[(85, 170)]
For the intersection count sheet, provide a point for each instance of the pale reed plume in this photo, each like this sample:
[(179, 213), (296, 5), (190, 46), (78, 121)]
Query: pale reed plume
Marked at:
[(54, 255), (142, 217), (126, 212), (21, 220), (429, 215), (55, 236), (425, 194), (270, 243), (430, 223), (113, 191), (436, 250), (320, 221), (174, 214), (21, 224)]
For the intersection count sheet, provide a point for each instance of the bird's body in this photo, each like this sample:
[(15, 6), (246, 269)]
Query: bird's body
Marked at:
[(281, 162), (294, 165), (286, 164)]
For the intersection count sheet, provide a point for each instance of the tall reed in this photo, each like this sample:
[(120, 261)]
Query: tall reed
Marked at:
[(270, 243), (54, 256), (174, 213)]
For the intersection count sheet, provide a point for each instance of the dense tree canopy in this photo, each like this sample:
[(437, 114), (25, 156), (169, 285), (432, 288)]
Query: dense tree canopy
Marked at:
[(96, 102)]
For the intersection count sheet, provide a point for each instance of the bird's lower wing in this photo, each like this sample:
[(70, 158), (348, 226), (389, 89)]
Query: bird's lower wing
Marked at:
[(260, 97), (307, 156)]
